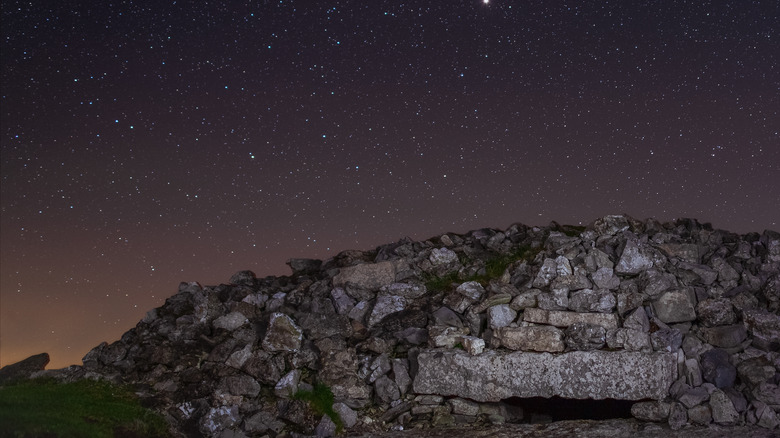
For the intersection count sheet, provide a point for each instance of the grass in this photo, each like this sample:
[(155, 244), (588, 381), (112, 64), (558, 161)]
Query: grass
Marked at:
[(46, 408), (494, 268), (321, 401)]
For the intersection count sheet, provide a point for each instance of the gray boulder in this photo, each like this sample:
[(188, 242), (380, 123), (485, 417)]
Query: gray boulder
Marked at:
[(25, 368), (634, 259), (717, 369), (588, 300), (723, 411), (715, 311), (495, 376), (583, 336), (283, 334), (674, 306)]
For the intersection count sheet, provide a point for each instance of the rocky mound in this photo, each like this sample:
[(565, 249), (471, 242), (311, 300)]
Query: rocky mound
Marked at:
[(678, 320)]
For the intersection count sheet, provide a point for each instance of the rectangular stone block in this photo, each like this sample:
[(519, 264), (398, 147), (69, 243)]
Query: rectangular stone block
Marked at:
[(535, 338), (560, 318), (494, 376)]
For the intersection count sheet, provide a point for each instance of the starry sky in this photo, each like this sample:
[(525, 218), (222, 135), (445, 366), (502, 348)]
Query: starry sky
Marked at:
[(146, 143)]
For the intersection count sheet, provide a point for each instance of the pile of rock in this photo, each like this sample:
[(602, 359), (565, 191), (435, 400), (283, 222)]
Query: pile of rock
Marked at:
[(680, 318)]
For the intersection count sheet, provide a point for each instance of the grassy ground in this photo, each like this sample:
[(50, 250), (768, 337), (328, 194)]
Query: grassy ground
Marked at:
[(46, 408)]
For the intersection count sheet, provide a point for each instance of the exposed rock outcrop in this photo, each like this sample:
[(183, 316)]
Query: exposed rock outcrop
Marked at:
[(446, 330)]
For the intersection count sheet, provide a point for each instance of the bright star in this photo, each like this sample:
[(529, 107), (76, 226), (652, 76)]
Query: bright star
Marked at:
[(485, 1)]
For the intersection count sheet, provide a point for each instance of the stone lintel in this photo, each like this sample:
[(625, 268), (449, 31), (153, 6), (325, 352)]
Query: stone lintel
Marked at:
[(497, 375)]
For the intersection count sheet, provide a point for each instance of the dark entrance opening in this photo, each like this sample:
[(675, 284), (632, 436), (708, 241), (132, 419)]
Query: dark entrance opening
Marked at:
[(544, 410)]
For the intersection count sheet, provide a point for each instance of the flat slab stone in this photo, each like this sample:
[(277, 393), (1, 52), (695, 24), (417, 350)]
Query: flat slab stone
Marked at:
[(497, 375), (561, 318)]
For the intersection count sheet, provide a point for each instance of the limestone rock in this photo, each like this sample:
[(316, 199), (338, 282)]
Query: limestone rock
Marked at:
[(764, 326), (694, 397), (666, 339), (701, 415), (472, 344), (656, 411), (717, 368), (283, 334), (634, 259), (611, 225), (445, 316), (727, 336), (715, 311), (723, 411), (405, 290), (605, 278), (500, 316), (472, 290), (304, 266), (546, 274), (588, 300), (386, 305), (443, 256), (367, 276), (678, 416), (638, 321), (25, 368), (534, 338), (231, 321), (496, 376), (582, 336), (565, 319), (674, 306), (346, 414)]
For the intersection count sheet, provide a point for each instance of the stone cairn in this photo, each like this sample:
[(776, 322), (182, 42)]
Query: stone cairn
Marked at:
[(677, 317)]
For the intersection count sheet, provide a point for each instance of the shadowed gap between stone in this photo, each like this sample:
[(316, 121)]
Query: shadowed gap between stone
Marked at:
[(545, 410)]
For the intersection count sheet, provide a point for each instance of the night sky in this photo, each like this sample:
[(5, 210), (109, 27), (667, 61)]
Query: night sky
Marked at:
[(148, 143)]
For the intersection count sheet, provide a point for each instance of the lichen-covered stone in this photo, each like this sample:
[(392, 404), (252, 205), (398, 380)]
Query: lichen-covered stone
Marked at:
[(534, 338), (283, 334), (656, 411), (564, 319), (496, 376), (674, 306)]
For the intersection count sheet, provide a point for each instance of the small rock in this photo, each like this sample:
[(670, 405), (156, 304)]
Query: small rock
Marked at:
[(472, 290), (634, 259), (588, 300), (605, 278), (326, 428), (701, 415), (717, 369), (678, 416), (386, 389), (638, 321), (443, 256), (656, 411), (694, 397), (231, 321), (386, 305), (463, 407), (583, 336), (348, 416), (500, 316), (535, 338), (287, 386), (674, 306), (715, 311), (666, 339), (283, 334), (723, 411), (472, 344), (726, 336)]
